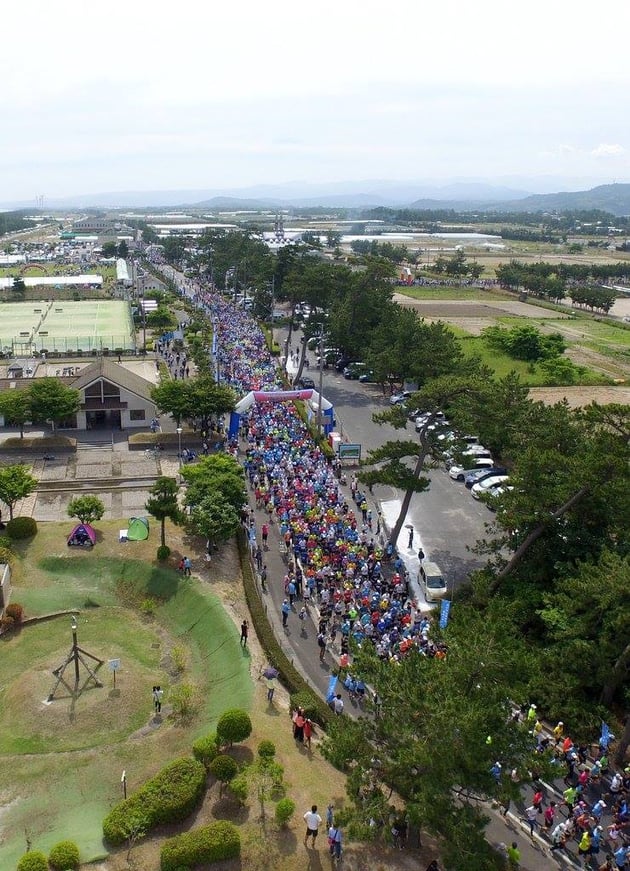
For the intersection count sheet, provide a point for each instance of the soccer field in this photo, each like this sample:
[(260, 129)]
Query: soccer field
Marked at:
[(65, 326)]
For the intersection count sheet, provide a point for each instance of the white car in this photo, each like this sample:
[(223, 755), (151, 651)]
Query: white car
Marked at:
[(400, 398), (433, 582), (458, 473), (486, 486)]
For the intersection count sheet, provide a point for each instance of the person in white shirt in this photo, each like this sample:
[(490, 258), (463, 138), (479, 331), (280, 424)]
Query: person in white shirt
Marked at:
[(338, 704), (313, 821)]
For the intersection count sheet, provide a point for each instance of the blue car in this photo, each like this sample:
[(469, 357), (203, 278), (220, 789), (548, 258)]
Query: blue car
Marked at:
[(477, 475)]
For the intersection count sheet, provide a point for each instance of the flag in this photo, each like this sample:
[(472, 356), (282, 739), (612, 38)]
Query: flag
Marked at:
[(444, 612), (332, 685)]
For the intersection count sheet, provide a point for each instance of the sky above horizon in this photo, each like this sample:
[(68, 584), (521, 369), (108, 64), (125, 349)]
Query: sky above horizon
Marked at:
[(154, 96)]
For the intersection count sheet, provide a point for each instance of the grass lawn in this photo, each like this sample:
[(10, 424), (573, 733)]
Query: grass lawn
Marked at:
[(62, 762), (469, 294)]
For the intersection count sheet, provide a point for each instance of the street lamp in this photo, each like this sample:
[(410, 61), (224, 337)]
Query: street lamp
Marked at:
[(179, 447)]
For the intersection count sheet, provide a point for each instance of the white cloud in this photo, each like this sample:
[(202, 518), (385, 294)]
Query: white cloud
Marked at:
[(604, 150)]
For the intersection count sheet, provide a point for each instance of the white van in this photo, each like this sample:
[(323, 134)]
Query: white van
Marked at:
[(433, 582)]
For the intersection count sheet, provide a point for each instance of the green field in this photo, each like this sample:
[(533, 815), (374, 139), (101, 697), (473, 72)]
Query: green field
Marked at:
[(65, 325), (62, 762)]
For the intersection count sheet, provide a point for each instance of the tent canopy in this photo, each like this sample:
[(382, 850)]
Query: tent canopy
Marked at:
[(138, 529), (81, 533)]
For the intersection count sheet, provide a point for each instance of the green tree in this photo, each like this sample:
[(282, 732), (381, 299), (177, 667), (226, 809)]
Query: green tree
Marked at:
[(88, 509), (109, 249), (123, 249), (217, 473), (429, 742), (225, 769), (52, 401), (163, 503), (171, 397), (214, 518), (15, 406), (18, 286), (234, 726), (207, 400), (16, 483)]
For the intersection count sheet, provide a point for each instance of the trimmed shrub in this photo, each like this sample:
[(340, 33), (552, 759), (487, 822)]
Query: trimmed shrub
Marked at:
[(206, 749), (224, 768), (33, 861), (239, 787), (64, 856), (266, 750), (307, 701), (6, 543), (163, 552), (234, 726), (284, 811), (289, 675), (169, 797), (6, 624), (21, 527), (214, 843), (16, 611)]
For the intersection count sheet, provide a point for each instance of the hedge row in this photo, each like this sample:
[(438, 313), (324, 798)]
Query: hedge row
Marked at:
[(169, 797), (214, 843), (289, 675)]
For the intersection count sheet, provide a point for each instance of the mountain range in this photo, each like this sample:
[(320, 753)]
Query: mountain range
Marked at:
[(460, 196)]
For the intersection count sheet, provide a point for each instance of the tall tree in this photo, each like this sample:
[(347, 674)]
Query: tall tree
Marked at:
[(87, 509), (15, 406), (16, 482), (171, 397), (218, 473), (214, 518), (163, 504), (52, 401)]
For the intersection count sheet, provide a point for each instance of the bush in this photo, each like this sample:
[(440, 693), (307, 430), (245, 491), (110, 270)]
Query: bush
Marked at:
[(284, 811), (214, 843), (21, 527), (266, 750), (307, 701), (16, 611), (163, 552), (33, 861), (224, 768), (64, 856), (6, 556), (289, 675), (206, 749), (169, 797), (5, 542), (239, 787), (234, 726)]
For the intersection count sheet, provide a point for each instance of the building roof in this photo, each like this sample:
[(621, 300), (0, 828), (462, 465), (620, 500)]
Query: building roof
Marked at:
[(103, 367)]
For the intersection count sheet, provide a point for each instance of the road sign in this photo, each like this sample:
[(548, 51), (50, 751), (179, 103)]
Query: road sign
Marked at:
[(349, 452), (114, 664)]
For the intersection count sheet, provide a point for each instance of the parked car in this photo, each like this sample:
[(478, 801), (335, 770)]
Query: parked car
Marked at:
[(482, 487), (458, 473), (493, 496), (342, 362), (354, 370), (305, 383), (366, 376), (433, 582), (439, 419), (400, 398), (469, 456), (476, 475)]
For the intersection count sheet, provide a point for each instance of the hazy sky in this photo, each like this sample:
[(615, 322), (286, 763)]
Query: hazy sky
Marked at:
[(209, 94)]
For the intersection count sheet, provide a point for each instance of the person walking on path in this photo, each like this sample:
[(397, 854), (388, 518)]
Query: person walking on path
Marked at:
[(330, 813), (263, 578), (187, 566), (513, 856), (244, 633), (271, 688), (286, 610), (308, 733), (158, 692), (410, 542), (313, 822), (321, 643), (334, 841)]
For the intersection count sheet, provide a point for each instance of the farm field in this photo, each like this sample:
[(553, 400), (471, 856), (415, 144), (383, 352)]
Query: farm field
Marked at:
[(599, 346)]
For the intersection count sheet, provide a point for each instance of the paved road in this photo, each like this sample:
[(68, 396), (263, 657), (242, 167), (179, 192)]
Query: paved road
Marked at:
[(447, 521)]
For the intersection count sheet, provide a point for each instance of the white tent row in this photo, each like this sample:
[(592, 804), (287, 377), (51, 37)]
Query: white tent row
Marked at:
[(55, 280)]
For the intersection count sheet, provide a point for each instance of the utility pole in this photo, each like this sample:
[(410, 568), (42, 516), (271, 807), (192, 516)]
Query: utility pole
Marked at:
[(321, 380), (273, 302)]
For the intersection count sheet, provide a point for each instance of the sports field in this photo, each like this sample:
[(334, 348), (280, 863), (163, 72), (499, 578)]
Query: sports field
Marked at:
[(65, 326)]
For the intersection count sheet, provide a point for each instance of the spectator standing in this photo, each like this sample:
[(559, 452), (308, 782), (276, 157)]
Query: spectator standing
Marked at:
[(334, 841), (244, 633), (513, 856), (286, 609), (271, 688), (313, 822)]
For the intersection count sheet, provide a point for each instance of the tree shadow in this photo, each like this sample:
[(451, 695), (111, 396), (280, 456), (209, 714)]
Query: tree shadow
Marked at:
[(226, 807), (243, 755), (286, 841)]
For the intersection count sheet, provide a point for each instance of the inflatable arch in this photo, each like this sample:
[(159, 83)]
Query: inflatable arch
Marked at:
[(311, 397)]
